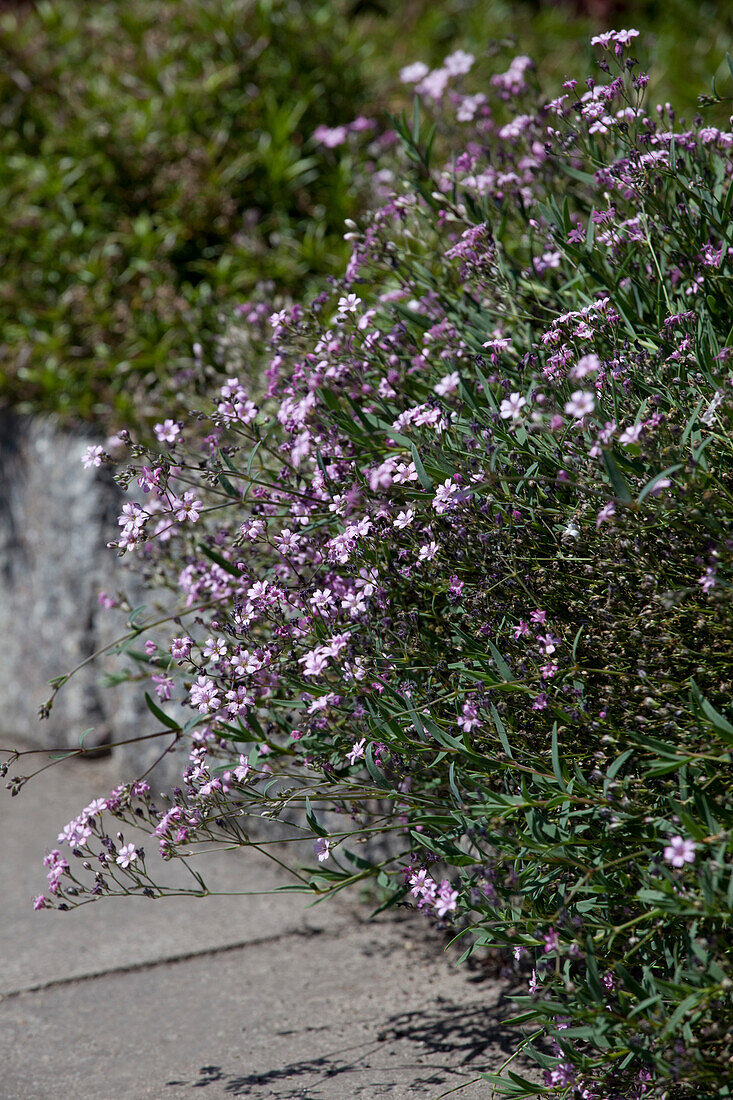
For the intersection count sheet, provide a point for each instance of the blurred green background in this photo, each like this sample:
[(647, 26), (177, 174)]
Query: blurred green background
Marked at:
[(157, 160)]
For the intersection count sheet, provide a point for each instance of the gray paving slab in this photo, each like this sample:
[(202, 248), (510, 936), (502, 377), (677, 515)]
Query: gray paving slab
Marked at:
[(47, 946), (323, 1016), (257, 996)]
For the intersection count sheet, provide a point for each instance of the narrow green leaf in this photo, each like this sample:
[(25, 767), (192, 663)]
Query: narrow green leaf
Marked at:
[(619, 763), (162, 717), (227, 486), (501, 731), (425, 480), (657, 477), (213, 555), (590, 233), (504, 671), (374, 771), (555, 754), (312, 819), (416, 121), (616, 477)]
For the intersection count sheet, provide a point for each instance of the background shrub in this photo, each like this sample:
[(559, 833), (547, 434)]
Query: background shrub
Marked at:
[(157, 160)]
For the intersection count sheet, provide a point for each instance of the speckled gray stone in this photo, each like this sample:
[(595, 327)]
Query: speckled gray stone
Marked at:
[(56, 519)]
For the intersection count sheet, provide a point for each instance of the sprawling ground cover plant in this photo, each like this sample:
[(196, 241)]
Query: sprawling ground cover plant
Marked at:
[(462, 577)]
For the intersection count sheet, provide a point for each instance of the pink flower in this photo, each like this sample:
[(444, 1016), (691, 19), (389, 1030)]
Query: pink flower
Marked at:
[(202, 695), (357, 751), (181, 648), (127, 854), (631, 434), (187, 508), (92, 457), (458, 63), (448, 384), (708, 579), (581, 403), (680, 851), (422, 885), (404, 519), (330, 136), (411, 74), (40, 902), (167, 432), (322, 848), (605, 513), (445, 899), (551, 941), (588, 364)]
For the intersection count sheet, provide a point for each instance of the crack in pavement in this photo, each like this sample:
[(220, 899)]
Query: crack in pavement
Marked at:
[(151, 964)]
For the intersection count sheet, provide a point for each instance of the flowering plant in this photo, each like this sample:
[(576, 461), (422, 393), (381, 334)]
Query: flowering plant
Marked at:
[(461, 577)]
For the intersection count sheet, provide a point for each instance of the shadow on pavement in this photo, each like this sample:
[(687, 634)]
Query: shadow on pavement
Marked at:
[(467, 1039)]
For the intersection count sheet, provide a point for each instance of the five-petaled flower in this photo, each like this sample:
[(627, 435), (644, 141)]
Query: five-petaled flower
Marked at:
[(127, 854), (680, 851)]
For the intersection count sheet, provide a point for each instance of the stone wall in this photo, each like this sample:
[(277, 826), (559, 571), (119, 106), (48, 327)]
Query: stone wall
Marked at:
[(55, 521)]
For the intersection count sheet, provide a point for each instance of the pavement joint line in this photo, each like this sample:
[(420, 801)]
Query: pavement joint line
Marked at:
[(151, 964)]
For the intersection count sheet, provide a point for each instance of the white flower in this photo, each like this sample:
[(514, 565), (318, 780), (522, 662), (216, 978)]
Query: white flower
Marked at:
[(126, 855), (458, 63), (511, 407), (631, 434), (92, 457), (410, 74), (708, 417), (581, 404), (349, 304)]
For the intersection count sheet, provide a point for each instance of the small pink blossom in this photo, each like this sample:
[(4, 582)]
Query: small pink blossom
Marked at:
[(631, 434), (330, 136), (581, 403), (511, 407), (708, 579), (92, 457), (322, 848), (411, 74), (680, 851), (167, 432), (357, 751), (127, 854), (446, 899)]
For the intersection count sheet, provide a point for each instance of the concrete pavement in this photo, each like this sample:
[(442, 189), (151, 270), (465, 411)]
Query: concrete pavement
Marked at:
[(258, 996)]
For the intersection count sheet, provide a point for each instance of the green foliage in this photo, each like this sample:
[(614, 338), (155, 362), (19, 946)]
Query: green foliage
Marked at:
[(156, 161), (687, 38)]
